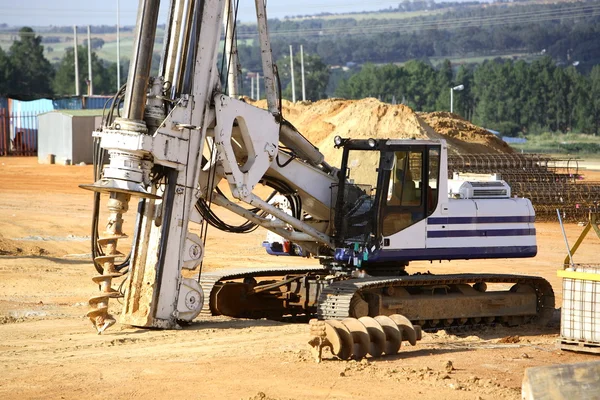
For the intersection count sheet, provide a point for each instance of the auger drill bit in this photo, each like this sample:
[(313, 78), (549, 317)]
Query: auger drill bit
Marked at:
[(355, 338), (98, 314)]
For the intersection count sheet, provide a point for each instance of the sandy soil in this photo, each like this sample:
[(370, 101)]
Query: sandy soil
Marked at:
[(453, 127), (49, 350)]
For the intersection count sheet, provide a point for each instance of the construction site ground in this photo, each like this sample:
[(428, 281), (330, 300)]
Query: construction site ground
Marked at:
[(48, 349)]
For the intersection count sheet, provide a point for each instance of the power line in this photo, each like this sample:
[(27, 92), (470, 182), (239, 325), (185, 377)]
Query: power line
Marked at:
[(402, 26), (456, 21), (133, 10)]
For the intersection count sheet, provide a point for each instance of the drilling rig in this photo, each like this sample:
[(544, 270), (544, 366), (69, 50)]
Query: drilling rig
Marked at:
[(181, 145)]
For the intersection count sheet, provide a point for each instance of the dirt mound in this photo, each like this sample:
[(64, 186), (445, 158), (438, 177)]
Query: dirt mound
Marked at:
[(13, 248), (475, 139), (321, 121)]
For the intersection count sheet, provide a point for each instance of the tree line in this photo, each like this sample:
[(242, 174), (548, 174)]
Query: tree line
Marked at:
[(566, 31), (26, 74), (513, 97)]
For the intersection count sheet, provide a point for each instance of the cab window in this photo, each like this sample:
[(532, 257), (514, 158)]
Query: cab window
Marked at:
[(433, 180), (405, 180), (412, 189)]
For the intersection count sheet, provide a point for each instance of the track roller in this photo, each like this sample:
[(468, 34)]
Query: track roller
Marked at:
[(355, 338)]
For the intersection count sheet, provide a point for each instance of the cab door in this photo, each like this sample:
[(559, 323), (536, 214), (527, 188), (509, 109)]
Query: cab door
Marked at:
[(411, 197)]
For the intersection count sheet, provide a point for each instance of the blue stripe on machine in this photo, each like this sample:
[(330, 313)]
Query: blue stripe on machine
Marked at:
[(481, 233), (452, 253), (479, 220)]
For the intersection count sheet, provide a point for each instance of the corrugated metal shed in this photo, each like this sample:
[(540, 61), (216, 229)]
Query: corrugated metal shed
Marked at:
[(31, 107), (23, 122), (68, 103), (67, 134), (97, 102)]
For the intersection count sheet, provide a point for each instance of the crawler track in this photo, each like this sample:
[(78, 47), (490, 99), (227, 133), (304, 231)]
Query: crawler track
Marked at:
[(336, 300), (210, 279)]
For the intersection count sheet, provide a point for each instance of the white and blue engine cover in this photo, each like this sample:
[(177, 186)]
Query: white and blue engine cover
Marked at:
[(466, 228)]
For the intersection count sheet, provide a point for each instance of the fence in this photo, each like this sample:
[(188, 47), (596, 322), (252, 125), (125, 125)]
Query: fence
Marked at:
[(18, 133)]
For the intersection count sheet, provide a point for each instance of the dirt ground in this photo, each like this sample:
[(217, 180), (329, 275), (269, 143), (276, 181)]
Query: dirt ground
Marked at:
[(48, 349)]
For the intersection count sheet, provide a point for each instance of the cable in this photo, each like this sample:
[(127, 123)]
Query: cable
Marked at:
[(279, 187), (281, 121), (234, 29)]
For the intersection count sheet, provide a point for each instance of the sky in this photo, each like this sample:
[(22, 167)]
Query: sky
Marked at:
[(94, 12)]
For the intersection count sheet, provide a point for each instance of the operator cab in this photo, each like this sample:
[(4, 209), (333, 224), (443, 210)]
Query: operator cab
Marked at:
[(385, 186)]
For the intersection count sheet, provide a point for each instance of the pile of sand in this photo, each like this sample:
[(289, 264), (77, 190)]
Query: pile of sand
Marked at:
[(10, 247), (475, 138), (321, 121)]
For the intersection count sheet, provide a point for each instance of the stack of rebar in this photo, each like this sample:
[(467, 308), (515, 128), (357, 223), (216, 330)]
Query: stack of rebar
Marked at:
[(550, 183)]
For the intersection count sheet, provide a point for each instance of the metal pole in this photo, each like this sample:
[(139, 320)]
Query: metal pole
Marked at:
[(266, 57), (76, 60), (118, 50), (302, 72), (230, 50), (292, 75), (252, 87), (451, 99), (90, 77), (258, 86), (172, 49), (565, 237), (180, 55), (141, 61)]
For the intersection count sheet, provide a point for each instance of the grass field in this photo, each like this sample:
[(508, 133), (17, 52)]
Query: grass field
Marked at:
[(54, 52), (378, 15), (479, 59), (562, 144)]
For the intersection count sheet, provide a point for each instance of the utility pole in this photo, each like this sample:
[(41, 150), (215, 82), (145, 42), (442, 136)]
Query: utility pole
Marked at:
[(292, 74), (302, 71), (91, 84), (230, 50), (258, 86), (76, 60), (118, 51)]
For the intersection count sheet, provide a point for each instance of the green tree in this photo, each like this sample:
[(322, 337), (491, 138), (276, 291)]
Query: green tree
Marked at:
[(104, 76), (444, 82), (594, 97), (464, 101), (579, 98), (6, 71), (387, 82), (422, 90), (32, 72), (316, 77)]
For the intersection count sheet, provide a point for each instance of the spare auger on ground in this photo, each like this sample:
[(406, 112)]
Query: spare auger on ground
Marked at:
[(356, 338), (178, 135)]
